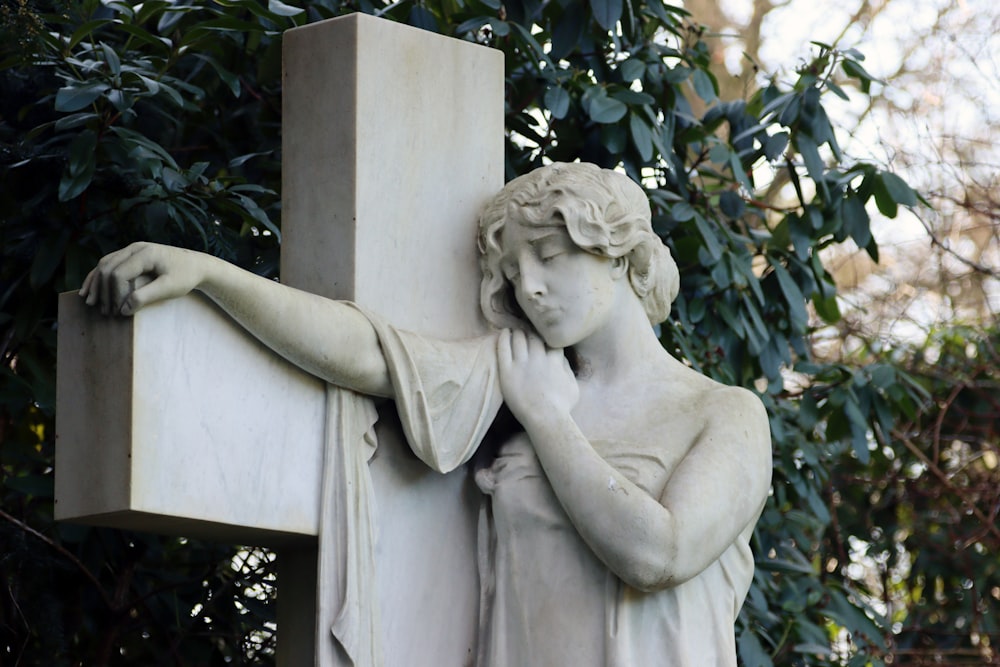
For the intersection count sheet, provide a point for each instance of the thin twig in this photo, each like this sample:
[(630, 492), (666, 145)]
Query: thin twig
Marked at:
[(939, 422), (990, 527), (65, 553)]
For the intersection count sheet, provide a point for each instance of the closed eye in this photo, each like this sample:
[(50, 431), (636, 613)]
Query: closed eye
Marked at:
[(552, 246)]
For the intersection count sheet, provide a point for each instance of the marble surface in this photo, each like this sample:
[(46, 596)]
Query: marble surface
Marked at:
[(386, 162), (178, 421)]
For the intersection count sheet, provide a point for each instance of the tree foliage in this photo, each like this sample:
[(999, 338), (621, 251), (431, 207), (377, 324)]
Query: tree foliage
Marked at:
[(925, 549), (122, 121)]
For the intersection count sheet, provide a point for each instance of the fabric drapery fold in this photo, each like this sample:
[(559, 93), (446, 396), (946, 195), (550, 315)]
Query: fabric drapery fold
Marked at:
[(347, 604), (447, 395)]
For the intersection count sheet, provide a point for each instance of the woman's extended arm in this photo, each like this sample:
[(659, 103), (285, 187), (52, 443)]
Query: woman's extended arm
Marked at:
[(326, 338), (650, 543)]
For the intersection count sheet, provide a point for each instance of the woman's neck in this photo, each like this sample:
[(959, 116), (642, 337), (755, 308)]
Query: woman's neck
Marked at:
[(625, 345)]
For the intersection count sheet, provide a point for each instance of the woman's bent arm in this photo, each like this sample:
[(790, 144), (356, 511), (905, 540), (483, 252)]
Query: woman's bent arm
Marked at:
[(713, 495), (711, 498), (326, 338)]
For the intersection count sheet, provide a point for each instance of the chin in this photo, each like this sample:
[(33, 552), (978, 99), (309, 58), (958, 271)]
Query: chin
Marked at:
[(557, 339)]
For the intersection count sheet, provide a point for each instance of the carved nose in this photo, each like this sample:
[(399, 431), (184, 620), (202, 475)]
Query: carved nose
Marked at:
[(532, 285)]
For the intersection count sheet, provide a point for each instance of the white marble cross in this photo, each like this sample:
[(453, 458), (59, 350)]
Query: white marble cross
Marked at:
[(176, 421)]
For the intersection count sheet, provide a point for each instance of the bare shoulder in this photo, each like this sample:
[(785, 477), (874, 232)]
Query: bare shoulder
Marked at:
[(737, 415), (734, 404)]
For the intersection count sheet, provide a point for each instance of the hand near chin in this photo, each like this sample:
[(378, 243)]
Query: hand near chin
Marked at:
[(141, 274), (536, 381)]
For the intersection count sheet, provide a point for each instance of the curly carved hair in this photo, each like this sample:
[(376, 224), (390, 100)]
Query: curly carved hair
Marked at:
[(604, 213)]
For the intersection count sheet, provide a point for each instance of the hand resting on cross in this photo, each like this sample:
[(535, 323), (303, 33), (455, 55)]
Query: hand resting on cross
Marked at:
[(329, 339), (141, 274)]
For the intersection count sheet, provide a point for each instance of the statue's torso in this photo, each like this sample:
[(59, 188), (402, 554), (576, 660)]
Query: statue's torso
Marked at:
[(550, 601)]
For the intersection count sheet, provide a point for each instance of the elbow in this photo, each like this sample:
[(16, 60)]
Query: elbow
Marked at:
[(655, 570), (648, 581), (653, 580)]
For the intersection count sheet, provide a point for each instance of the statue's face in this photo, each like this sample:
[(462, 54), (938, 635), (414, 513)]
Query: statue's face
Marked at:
[(566, 293)]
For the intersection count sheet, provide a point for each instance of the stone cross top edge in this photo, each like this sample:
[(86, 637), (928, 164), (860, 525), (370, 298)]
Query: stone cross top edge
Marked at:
[(176, 421)]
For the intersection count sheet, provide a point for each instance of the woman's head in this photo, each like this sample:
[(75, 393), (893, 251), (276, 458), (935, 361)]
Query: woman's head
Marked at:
[(603, 212)]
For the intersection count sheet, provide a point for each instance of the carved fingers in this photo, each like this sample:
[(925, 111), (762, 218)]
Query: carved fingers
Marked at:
[(535, 380), (126, 280)]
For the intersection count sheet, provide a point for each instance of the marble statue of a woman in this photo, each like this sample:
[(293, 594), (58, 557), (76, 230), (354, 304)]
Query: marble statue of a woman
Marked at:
[(619, 506)]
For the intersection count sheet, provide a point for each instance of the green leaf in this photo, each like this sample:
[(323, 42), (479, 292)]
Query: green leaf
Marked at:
[(732, 204), (472, 25), (798, 232), (173, 180), (854, 70), (567, 33), (614, 138), (723, 278), (856, 220), (604, 109), (706, 231), (281, 9), (144, 145), (170, 18), (84, 30), (252, 187), (812, 649), (810, 155), (677, 74), (742, 174), (160, 44), (793, 295), (882, 375), (719, 154), (886, 203), (120, 100), (111, 58), (557, 101), (606, 12), (827, 308), (421, 17), (535, 52), (696, 310), (781, 565), (243, 159), (632, 97), (682, 211), (837, 90), (152, 86), (231, 80), (642, 137), (172, 93), (75, 97), (752, 652), (632, 69), (775, 145), (75, 120), (500, 28), (898, 189), (849, 616), (705, 85), (726, 312), (80, 166), (255, 212), (859, 428)]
